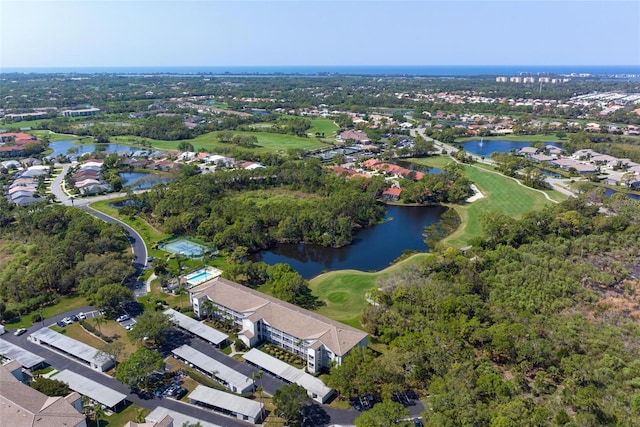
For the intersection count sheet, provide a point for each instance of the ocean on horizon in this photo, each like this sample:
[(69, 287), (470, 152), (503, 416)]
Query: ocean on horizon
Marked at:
[(399, 70)]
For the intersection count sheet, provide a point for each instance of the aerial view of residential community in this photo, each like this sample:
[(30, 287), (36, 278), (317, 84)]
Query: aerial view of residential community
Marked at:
[(317, 245)]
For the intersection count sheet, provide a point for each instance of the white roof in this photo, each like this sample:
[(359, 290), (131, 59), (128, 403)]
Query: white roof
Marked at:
[(178, 418), (94, 390), (10, 163), (91, 164), (214, 367), (205, 332), (227, 401), (26, 358), (314, 386), (74, 347)]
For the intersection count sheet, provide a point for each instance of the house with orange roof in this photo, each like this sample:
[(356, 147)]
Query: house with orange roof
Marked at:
[(370, 163), (392, 194)]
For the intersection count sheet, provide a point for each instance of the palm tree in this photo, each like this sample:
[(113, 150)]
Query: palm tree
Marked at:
[(257, 375), (98, 413), (100, 320), (139, 415), (209, 308)]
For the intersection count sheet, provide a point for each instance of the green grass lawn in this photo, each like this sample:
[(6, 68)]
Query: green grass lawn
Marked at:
[(121, 418), (326, 126), (149, 234), (501, 194), (65, 304), (53, 136), (267, 142), (344, 291)]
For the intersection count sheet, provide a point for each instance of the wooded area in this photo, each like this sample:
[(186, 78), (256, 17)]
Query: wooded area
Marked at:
[(534, 325), (55, 251)]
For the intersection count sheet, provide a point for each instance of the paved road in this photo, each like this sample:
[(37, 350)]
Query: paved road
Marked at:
[(316, 415), (60, 362), (559, 185), (138, 247)]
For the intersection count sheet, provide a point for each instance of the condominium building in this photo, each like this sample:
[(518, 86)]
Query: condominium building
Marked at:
[(262, 318)]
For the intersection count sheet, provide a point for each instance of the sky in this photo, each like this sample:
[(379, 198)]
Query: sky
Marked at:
[(130, 33)]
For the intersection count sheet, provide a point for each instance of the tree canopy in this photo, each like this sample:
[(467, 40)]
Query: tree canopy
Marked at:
[(535, 323), (290, 401), (135, 370)]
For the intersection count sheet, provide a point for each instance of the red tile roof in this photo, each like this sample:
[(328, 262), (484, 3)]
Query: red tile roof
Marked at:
[(393, 191)]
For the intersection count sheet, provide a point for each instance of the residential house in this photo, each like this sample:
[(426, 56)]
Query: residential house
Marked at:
[(21, 405), (357, 136)]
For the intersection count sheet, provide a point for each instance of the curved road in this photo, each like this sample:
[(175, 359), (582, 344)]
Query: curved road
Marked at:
[(138, 246), (557, 184), (316, 415)]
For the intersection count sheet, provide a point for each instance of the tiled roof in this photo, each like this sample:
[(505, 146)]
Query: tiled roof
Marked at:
[(21, 405), (293, 320)]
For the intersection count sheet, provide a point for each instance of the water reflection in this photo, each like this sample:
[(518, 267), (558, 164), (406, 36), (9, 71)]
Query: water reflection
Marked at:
[(609, 192), (488, 146), (373, 248), (70, 146), (142, 180)]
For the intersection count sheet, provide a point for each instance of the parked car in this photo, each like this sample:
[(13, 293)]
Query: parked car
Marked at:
[(82, 316), (75, 318), (19, 331), (123, 318), (67, 321), (176, 391), (61, 324)]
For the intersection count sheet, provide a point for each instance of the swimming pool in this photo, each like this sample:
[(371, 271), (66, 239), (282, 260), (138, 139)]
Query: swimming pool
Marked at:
[(202, 275)]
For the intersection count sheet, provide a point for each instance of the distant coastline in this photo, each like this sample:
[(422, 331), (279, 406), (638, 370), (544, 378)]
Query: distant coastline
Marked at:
[(613, 71)]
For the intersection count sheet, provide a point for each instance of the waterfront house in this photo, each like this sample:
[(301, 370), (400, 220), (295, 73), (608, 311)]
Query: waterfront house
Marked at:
[(392, 194)]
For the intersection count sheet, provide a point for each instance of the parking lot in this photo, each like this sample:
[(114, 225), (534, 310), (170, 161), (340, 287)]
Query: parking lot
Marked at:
[(77, 317)]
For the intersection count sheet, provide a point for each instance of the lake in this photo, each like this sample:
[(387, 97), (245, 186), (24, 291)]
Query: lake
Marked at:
[(418, 168), (486, 147), (373, 248), (141, 180), (63, 147)]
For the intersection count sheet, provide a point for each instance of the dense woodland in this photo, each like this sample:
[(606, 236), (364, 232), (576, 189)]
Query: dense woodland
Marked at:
[(297, 201), (535, 325), (55, 251)]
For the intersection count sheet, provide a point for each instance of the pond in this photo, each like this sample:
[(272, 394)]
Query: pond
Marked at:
[(373, 248), (418, 168), (484, 147), (63, 147), (142, 180), (609, 192)]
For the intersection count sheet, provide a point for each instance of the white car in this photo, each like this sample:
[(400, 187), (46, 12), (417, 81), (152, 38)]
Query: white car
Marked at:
[(123, 318), (67, 320), (19, 331), (82, 316)]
